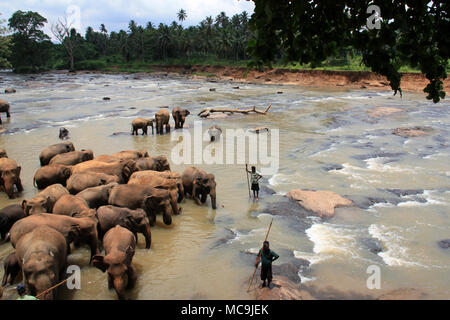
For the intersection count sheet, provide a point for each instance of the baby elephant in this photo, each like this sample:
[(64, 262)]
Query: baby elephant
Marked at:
[(134, 220), (119, 244), (63, 133), (4, 107), (141, 123), (179, 116)]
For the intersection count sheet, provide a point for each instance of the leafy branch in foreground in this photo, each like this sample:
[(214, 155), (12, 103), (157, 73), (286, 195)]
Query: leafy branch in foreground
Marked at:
[(413, 33)]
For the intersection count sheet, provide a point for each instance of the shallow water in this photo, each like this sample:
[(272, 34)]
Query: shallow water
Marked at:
[(327, 141)]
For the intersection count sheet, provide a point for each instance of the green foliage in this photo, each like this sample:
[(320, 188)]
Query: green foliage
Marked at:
[(413, 34), (30, 45), (5, 45)]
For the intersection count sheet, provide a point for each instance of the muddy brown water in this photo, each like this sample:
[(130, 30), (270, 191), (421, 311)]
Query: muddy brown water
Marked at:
[(327, 141)]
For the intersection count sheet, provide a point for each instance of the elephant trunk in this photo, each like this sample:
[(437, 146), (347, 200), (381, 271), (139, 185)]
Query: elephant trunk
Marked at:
[(148, 236), (167, 215), (180, 191), (120, 285), (213, 200)]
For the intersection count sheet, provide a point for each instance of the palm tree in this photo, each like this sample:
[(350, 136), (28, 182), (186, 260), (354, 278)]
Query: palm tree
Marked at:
[(182, 15)]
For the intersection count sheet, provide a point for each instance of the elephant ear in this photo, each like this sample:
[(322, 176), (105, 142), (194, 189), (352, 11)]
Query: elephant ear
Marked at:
[(74, 232), (48, 204), (25, 206), (67, 172), (129, 255), (98, 261), (187, 112), (18, 170)]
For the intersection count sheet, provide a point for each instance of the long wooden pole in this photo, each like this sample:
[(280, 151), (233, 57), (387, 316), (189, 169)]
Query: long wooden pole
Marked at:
[(259, 254), (51, 288), (248, 182)]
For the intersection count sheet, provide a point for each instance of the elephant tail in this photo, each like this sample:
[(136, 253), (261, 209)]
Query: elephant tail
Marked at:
[(7, 238)]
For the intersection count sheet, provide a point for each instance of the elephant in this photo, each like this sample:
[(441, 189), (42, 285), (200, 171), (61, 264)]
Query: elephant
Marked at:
[(179, 116), (198, 183), (81, 230), (106, 158), (72, 206), (214, 133), (131, 154), (10, 176), (49, 152), (119, 244), (164, 174), (121, 169), (44, 201), (10, 90), (51, 174), (72, 158), (42, 256), (3, 153), (141, 123), (158, 163), (162, 118), (63, 133), (8, 216), (97, 196), (152, 200), (4, 107), (11, 269), (81, 181), (160, 183), (134, 220)]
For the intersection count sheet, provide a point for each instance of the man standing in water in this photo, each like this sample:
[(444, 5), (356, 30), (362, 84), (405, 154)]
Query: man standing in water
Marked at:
[(255, 177), (266, 256)]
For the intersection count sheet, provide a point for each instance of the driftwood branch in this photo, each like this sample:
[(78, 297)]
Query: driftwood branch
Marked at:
[(206, 112)]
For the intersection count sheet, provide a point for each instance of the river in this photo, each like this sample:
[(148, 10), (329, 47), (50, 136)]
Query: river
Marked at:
[(327, 141)]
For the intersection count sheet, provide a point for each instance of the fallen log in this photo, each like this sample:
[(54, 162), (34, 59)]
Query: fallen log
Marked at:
[(207, 111)]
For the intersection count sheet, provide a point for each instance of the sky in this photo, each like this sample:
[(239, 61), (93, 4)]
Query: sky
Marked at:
[(116, 14)]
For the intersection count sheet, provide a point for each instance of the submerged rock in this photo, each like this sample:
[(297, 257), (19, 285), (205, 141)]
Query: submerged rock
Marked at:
[(403, 294), (383, 111), (412, 132), (282, 289), (444, 244), (10, 90), (372, 244), (320, 202)]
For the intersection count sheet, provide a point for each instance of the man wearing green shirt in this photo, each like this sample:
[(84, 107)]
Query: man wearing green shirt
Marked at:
[(266, 256), (22, 296)]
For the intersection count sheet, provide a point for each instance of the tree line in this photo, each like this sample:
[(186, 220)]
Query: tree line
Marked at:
[(29, 49)]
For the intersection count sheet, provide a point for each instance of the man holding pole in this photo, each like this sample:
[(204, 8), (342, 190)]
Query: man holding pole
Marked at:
[(255, 177), (266, 256)]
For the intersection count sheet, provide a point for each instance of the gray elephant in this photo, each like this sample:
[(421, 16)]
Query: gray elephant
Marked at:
[(199, 184), (122, 169), (119, 244), (162, 118), (72, 206), (81, 181), (8, 216), (4, 107), (10, 176), (152, 200), (134, 220), (11, 269), (97, 196), (49, 152), (141, 123), (158, 163), (79, 230), (51, 174), (44, 201), (72, 158), (3, 153), (42, 256), (130, 154), (179, 116)]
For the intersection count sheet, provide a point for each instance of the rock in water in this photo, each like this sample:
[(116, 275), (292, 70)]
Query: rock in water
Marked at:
[(403, 294), (412, 132), (383, 111), (10, 90), (444, 244), (282, 289), (320, 202)]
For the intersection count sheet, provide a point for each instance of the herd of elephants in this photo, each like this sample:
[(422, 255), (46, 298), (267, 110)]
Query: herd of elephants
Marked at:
[(99, 201)]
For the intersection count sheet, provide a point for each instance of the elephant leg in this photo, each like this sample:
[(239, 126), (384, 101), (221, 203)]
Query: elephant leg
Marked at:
[(152, 218), (8, 115), (203, 198), (110, 282), (167, 128), (182, 124), (132, 277), (19, 185)]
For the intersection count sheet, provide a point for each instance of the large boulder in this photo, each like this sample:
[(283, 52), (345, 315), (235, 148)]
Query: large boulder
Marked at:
[(444, 244), (383, 111), (412, 132), (320, 202), (282, 289), (403, 294)]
